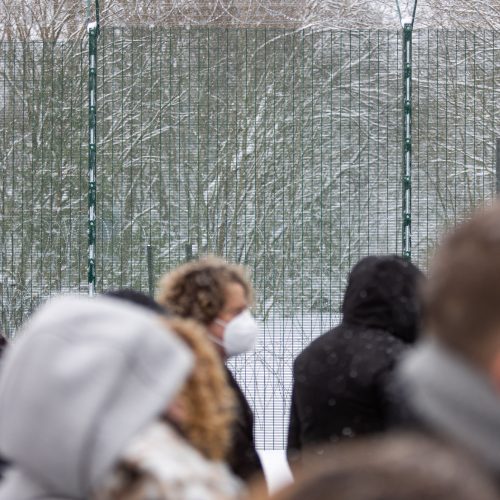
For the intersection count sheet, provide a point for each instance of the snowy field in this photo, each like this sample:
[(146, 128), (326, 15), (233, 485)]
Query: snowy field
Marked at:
[(275, 468)]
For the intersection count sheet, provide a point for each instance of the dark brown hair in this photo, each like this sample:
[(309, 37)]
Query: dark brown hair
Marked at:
[(462, 299), (197, 289), (399, 467)]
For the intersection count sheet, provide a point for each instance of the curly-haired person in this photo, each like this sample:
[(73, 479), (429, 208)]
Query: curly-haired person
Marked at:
[(218, 294)]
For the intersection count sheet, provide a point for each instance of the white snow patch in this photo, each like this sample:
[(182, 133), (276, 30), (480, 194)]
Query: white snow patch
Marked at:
[(276, 469)]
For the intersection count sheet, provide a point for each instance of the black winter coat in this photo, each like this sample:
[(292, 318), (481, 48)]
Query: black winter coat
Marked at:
[(340, 379), (243, 457)]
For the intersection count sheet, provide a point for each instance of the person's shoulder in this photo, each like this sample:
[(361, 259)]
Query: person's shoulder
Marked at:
[(378, 352), (230, 377), (391, 346), (240, 395), (233, 383), (316, 350), (378, 341)]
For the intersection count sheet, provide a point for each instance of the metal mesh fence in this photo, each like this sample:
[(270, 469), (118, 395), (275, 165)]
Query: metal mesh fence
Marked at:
[(279, 149), (456, 84), (43, 148)]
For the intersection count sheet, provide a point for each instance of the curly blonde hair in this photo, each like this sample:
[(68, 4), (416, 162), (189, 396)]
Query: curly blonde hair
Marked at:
[(197, 289), (208, 402)]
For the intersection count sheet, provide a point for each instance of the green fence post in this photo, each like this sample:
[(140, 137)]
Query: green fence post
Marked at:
[(93, 31), (149, 256), (189, 251), (497, 166), (407, 116)]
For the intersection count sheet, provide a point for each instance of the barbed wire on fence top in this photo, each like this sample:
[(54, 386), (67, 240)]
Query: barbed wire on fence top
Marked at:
[(47, 20)]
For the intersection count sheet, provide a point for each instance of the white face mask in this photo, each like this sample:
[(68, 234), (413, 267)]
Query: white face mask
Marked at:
[(240, 334)]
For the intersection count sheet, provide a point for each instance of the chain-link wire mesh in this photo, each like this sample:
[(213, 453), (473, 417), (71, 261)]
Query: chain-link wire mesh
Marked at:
[(43, 149), (456, 84), (277, 148)]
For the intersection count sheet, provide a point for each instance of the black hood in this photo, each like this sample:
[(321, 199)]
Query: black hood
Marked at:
[(383, 292)]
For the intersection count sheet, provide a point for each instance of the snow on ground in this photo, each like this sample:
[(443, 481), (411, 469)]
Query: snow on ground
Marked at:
[(276, 469)]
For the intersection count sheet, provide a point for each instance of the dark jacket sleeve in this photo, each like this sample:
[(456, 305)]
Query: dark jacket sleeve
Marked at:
[(294, 447), (243, 458)]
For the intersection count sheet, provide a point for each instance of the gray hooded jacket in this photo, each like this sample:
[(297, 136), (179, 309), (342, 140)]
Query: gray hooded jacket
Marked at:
[(84, 378), (454, 400)]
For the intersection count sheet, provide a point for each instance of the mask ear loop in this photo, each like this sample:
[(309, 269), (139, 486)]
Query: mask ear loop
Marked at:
[(220, 322), (215, 339)]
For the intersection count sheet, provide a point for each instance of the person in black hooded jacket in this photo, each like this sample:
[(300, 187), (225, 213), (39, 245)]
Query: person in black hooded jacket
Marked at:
[(340, 378)]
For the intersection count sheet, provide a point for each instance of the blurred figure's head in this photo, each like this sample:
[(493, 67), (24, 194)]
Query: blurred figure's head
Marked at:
[(137, 298), (389, 468), (83, 378), (463, 292), (385, 292), (216, 294)]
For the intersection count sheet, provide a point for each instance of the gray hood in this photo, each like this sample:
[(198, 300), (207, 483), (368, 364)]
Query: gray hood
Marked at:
[(84, 377), (455, 399)]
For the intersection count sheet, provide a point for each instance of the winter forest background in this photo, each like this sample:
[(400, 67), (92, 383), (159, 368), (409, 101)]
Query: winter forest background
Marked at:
[(268, 132)]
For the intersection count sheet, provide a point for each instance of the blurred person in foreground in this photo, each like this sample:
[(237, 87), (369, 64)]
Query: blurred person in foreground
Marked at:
[(399, 467), (339, 380), (87, 390), (450, 384), (218, 295)]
